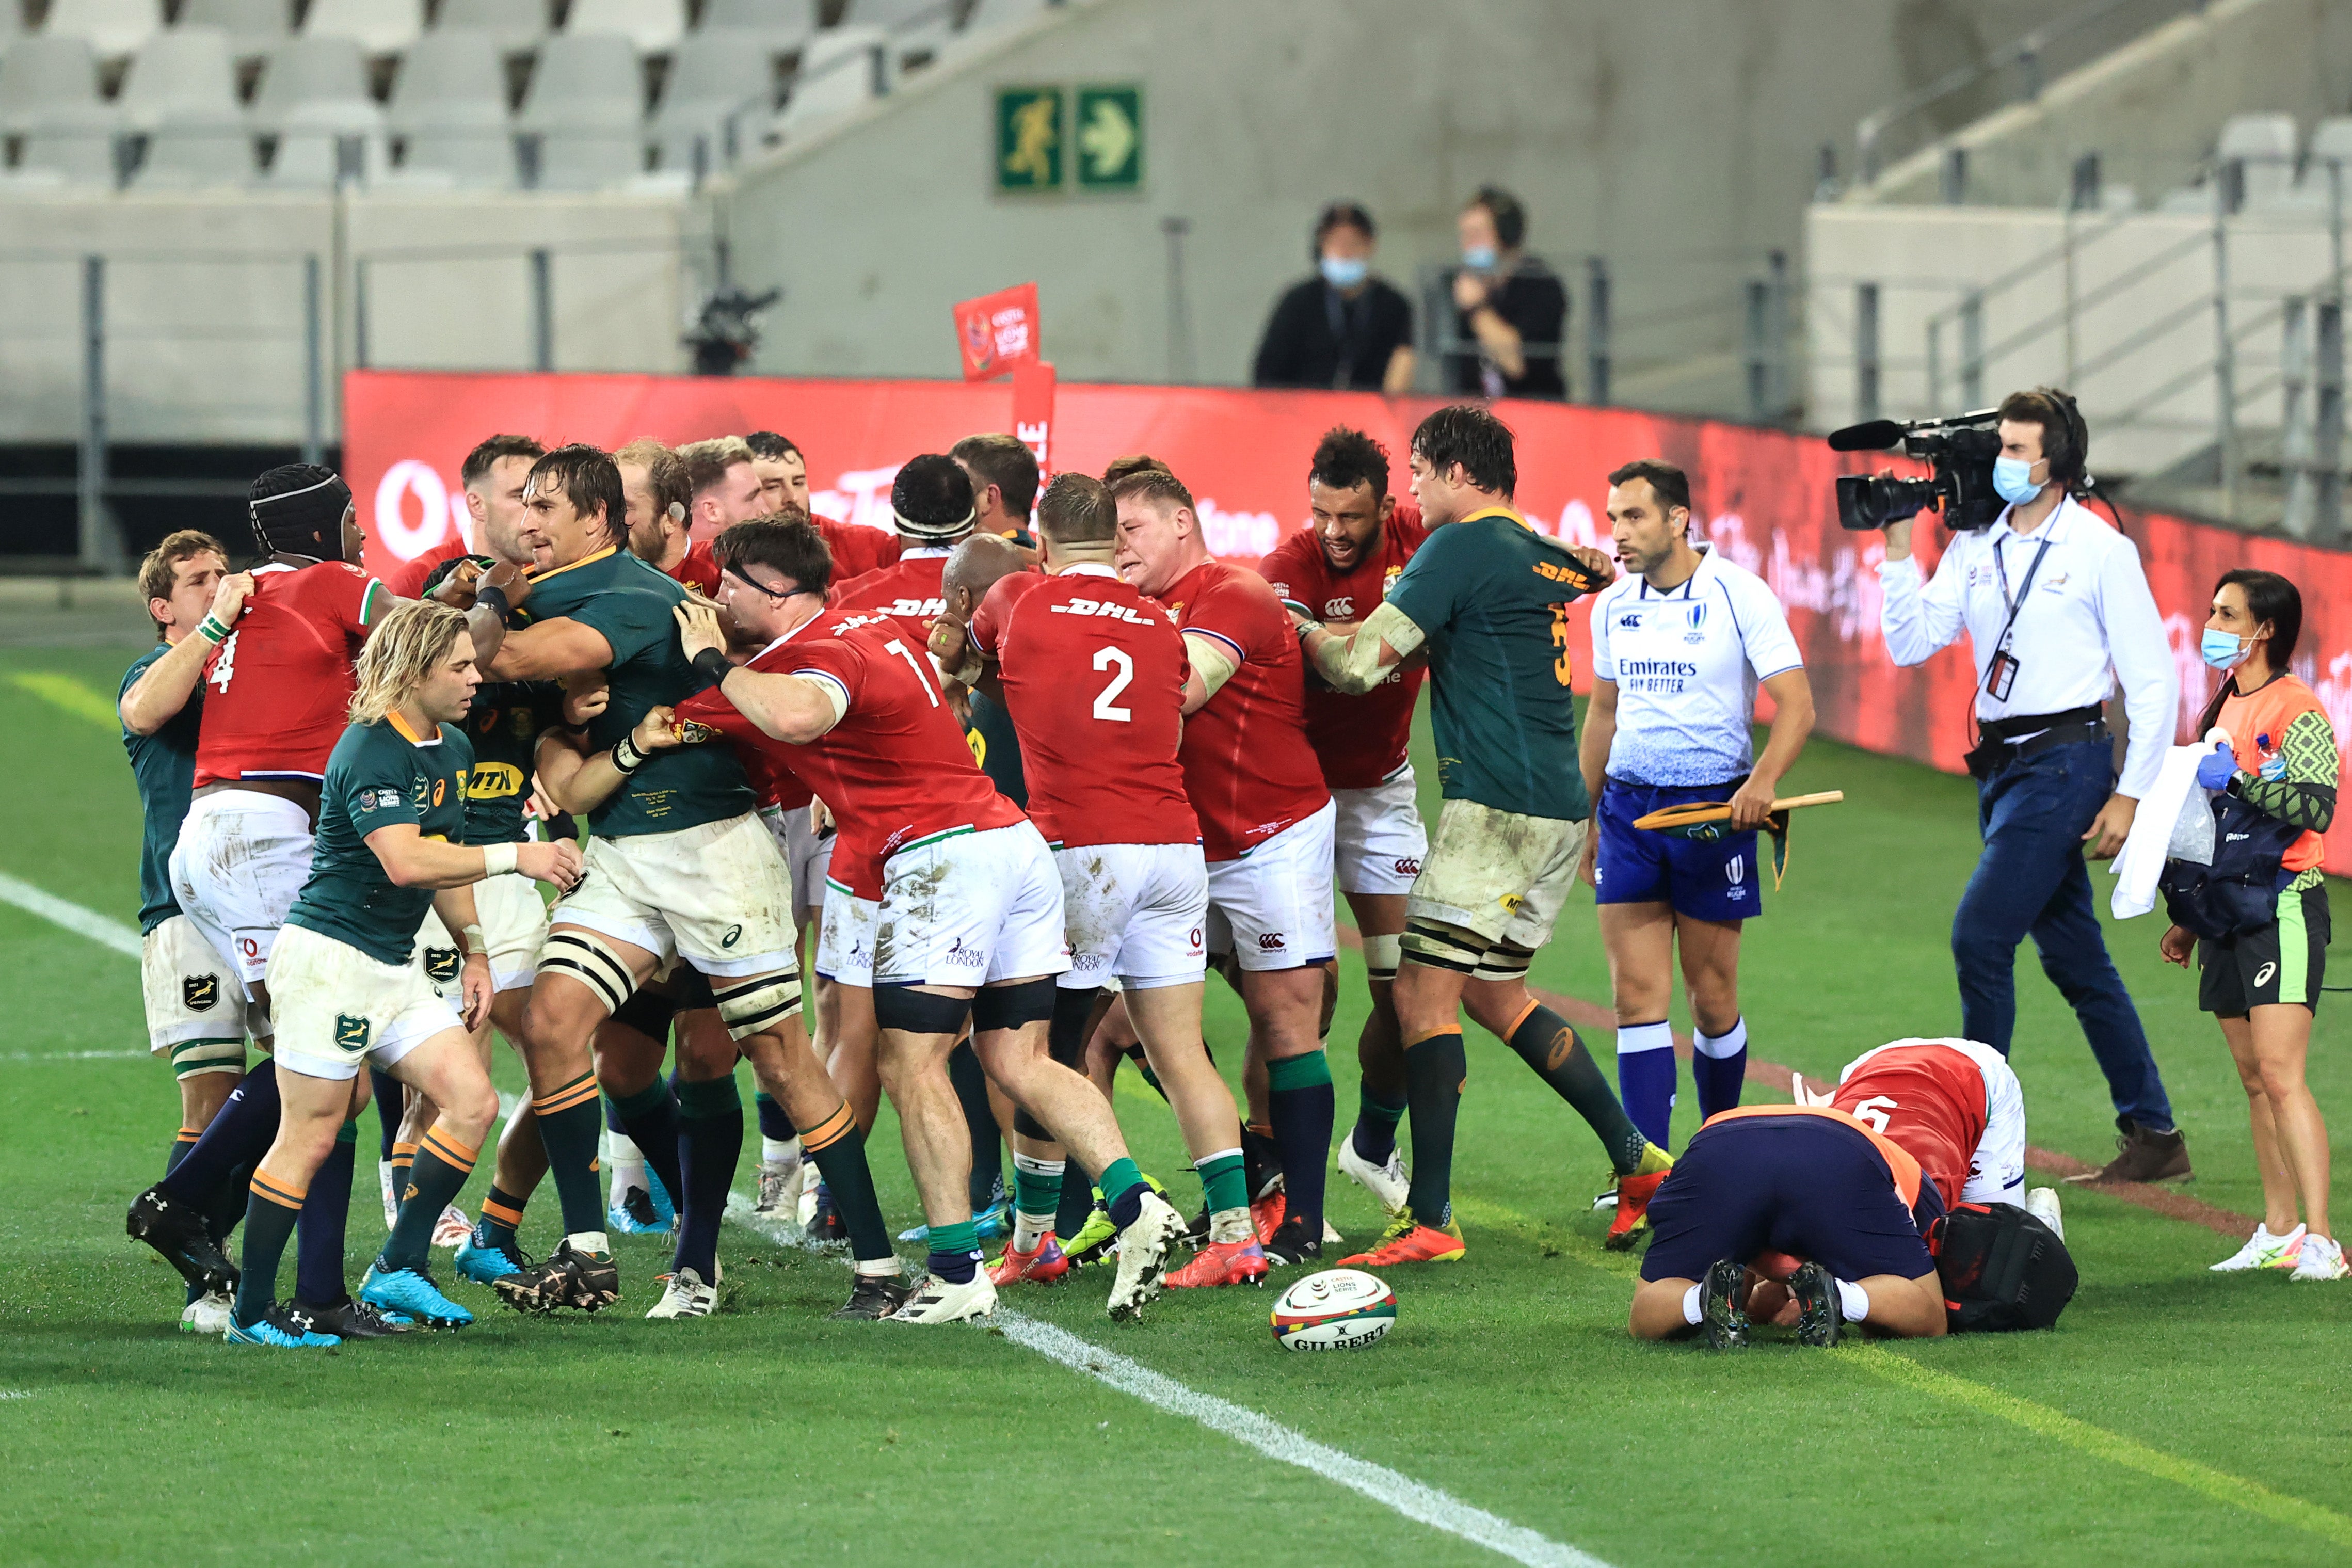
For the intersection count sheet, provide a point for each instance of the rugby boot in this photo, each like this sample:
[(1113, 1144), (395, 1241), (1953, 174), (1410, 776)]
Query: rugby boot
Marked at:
[(1239, 1262), (350, 1320), (281, 1328), (872, 1296), (1723, 1305), (936, 1300), (1041, 1265), (1143, 1248), (1632, 1221), (1821, 1316), (411, 1293), (1387, 1182), (178, 1233), (1407, 1240)]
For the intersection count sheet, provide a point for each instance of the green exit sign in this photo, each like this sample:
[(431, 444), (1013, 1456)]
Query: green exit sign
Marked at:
[(1029, 139), (1109, 136)]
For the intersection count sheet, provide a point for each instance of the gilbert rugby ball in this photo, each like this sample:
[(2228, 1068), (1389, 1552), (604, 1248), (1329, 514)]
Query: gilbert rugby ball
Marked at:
[(1338, 1309)]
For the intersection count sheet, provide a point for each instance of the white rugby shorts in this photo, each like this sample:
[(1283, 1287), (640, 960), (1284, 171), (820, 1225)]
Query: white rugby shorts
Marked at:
[(844, 941), (336, 1006), (1137, 913), (969, 906), (806, 855), (514, 923), (1381, 838), (195, 1009), (717, 895), (1271, 909), (242, 859)]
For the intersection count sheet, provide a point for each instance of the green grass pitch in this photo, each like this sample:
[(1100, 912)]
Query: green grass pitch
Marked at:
[(2175, 1416)]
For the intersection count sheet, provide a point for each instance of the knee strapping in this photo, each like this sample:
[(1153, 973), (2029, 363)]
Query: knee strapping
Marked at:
[(1382, 956), (1065, 1036), (583, 956), (648, 1012), (1439, 946), (755, 1006), (1504, 961), (1011, 1006), (195, 1059), (913, 1011), (1028, 1126)]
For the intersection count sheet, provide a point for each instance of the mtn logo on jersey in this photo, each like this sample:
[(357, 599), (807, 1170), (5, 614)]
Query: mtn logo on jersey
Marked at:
[(1089, 607)]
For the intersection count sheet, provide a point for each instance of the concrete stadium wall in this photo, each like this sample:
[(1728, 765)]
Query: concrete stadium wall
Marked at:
[(1676, 138), (205, 297)]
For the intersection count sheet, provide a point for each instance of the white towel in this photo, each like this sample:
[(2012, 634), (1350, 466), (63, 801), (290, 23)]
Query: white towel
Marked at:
[(2141, 863)]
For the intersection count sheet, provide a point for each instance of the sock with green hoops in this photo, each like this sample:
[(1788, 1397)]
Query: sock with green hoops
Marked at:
[(1123, 1191), (1300, 1104)]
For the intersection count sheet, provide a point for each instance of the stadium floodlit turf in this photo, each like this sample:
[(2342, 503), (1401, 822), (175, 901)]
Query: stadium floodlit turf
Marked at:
[(2175, 1415)]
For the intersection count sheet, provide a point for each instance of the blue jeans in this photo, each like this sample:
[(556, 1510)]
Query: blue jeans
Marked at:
[(2030, 880)]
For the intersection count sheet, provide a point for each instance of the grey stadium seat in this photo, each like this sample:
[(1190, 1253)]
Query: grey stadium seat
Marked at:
[(586, 106), (449, 105), (310, 144), (253, 27), (895, 13), (312, 69), (182, 71), (655, 26), (786, 25), (110, 27), (195, 147), (712, 74), (987, 16), (514, 25), (382, 26), (836, 76), (2265, 146), (48, 95)]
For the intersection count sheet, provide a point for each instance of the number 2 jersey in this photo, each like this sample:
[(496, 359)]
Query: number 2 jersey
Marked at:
[(277, 692), (1094, 676), (1954, 1104)]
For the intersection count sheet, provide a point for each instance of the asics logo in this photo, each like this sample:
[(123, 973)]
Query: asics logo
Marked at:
[(2262, 975)]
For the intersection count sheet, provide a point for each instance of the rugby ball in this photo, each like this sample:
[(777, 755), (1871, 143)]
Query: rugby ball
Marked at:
[(1338, 1309)]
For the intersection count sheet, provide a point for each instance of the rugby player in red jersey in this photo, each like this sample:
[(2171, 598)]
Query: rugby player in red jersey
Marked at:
[(1094, 675), (784, 491), (970, 923), (1265, 820), (932, 498), (1338, 569), (491, 480)]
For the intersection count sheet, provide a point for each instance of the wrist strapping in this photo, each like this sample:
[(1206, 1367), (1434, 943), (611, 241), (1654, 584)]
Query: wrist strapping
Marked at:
[(711, 664), (627, 758), (497, 860), (493, 600), (477, 944), (211, 630)]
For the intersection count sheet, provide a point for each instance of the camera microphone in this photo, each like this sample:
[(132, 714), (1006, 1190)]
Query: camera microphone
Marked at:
[(1876, 435)]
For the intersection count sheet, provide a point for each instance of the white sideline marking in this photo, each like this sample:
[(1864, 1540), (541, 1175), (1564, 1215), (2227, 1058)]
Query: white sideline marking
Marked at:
[(75, 1056), (103, 930), (15, 1393), (1438, 1510)]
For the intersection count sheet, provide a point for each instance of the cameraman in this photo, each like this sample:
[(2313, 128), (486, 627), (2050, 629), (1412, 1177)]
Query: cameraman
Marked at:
[(2058, 612)]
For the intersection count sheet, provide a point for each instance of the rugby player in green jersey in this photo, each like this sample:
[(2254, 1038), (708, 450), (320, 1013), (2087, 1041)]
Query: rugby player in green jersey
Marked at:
[(344, 987), (1487, 596)]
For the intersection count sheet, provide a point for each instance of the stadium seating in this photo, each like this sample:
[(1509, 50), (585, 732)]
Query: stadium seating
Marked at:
[(988, 15), (515, 25), (895, 13), (48, 98), (586, 108), (111, 27), (195, 147), (313, 91), (449, 109), (2264, 146), (2331, 142), (382, 26), (179, 72), (655, 26), (835, 76), (253, 27), (712, 74), (784, 25)]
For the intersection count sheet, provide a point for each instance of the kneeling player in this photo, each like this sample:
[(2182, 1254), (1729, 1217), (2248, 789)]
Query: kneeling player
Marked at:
[(1813, 1182), (392, 821)]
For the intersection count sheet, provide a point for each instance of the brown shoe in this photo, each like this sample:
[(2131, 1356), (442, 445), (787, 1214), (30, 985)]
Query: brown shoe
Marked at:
[(2141, 1156)]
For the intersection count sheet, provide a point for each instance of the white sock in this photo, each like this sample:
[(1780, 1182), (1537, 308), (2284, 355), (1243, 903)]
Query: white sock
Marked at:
[(1854, 1300), (878, 1267), (1231, 1224), (1721, 1046), (779, 1151), (1027, 1228), (1690, 1305), (588, 1241)]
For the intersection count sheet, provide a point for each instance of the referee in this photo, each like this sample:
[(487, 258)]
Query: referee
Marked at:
[(2058, 613), (1680, 644)]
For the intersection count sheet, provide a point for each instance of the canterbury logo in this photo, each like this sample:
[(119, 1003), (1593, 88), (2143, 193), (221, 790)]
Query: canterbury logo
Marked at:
[(1269, 940)]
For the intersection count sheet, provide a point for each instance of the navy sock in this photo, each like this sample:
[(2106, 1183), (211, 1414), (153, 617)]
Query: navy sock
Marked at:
[(1719, 1067), (650, 1119), (1545, 1043), (1375, 1125), (1261, 1160), (1078, 1200), (987, 1140), (1300, 1103), (240, 1135), (773, 1122), (390, 1101), (710, 1115), (1435, 1070), (326, 1213), (839, 1150), (1645, 1076), (955, 1252)]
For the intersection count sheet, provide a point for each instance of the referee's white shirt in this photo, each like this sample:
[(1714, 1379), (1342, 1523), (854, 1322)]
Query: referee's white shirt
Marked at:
[(2088, 622), (1687, 663)]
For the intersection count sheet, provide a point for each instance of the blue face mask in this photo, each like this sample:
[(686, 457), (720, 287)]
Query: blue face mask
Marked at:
[(2222, 650), (1345, 271), (2012, 480), (1479, 258)]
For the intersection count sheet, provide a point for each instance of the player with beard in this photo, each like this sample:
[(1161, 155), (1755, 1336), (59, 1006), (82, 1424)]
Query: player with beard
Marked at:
[(491, 480), (1265, 822), (784, 492), (1135, 889), (1338, 569), (970, 923), (658, 496)]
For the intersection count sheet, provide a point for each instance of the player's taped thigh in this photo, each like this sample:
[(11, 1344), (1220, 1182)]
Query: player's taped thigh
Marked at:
[(583, 955), (1440, 944), (195, 1059), (756, 1006), (648, 1012), (914, 1012), (1065, 1036), (1012, 1007), (1381, 955), (1503, 962)]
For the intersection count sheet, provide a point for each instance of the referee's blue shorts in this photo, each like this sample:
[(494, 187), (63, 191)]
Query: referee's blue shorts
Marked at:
[(1707, 881), (1805, 1185)]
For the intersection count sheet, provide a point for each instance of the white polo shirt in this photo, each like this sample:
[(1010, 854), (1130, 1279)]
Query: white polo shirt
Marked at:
[(1687, 663), (2088, 622)]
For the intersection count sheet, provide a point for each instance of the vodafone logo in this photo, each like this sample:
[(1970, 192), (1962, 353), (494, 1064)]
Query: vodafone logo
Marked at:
[(416, 508)]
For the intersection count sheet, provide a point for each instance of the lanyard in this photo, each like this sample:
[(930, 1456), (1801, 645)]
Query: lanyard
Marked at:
[(2013, 605)]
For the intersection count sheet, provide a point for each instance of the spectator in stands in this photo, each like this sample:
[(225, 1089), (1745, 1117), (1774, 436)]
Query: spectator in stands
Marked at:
[(1510, 311), (1343, 328)]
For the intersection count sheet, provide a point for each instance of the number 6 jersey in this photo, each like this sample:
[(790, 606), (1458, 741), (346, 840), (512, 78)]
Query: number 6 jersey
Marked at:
[(1094, 677)]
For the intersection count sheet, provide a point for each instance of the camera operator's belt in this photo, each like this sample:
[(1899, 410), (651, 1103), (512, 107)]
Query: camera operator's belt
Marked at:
[(1997, 748)]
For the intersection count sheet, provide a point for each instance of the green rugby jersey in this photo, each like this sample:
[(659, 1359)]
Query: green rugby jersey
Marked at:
[(628, 603), (380, 776), (165, 764), (503, 727), (1492, 595)]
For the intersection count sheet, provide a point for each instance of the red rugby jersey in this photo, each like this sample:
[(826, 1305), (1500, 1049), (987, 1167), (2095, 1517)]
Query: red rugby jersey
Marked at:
[(1928, 1097), (1248, 766), (698, 569), (407, 579), (279, 691), (907, 591), (857, 548), (1094, 677), (894, 769), (1360, 740)]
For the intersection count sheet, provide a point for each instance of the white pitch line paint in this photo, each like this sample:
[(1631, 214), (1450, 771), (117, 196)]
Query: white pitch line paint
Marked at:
[(103, 930), (36, 1057), (1427, 1504)]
